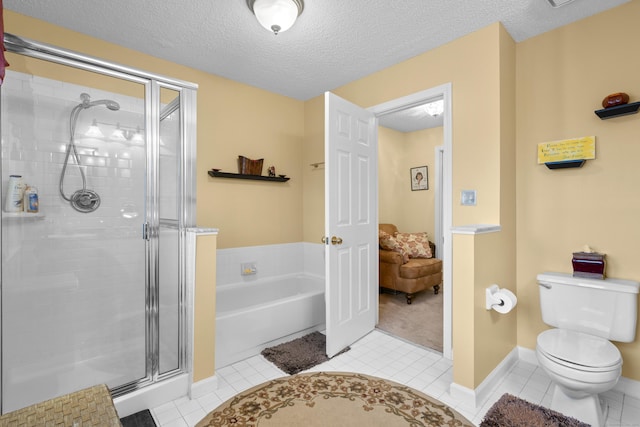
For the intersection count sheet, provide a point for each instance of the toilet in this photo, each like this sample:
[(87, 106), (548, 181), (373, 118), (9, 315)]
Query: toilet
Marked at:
[(578, 355)]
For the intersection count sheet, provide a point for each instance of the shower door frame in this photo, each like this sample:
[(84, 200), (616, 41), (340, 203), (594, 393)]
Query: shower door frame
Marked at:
[(186, 194)]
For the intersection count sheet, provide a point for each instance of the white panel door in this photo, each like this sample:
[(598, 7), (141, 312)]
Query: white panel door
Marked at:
[(351, 224)]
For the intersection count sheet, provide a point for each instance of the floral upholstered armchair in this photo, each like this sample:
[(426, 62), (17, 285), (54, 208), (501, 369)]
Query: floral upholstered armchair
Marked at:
[(406, 262)]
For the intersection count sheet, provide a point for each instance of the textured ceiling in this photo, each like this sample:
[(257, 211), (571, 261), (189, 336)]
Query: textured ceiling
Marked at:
[(334, 41)]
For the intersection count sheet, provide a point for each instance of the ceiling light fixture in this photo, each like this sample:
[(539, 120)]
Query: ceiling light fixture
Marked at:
[(435, 108), (276, 15)]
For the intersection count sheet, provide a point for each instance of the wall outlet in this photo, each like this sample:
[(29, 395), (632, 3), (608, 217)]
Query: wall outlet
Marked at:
[(248, 268)]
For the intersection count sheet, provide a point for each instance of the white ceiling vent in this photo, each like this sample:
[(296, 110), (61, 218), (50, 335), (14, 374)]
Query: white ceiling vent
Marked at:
[(558, 3)]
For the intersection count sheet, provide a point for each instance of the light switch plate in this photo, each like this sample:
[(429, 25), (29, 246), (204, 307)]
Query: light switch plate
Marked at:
[(468, 197)]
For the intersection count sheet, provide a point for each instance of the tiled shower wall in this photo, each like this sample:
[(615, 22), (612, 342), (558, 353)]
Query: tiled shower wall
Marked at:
[(73, 283)]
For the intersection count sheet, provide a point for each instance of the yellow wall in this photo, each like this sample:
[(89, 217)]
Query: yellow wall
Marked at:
[(410, 211), (562, 77), (390, 176), (204, 330), (313, 196)]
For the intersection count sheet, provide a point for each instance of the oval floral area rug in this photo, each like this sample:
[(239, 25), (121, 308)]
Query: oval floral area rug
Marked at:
[(332, 399)]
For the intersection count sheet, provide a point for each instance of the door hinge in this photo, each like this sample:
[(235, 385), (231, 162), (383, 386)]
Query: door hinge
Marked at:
[(145, 231)]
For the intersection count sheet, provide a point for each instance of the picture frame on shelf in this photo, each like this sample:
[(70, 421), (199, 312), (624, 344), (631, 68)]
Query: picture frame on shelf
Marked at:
[(419, 178)]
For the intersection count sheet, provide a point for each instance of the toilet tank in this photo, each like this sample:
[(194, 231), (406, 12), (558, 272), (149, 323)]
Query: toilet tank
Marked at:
[(606, 308)]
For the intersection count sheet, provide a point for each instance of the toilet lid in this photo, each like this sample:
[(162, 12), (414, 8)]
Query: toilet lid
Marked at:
[(577, 348)]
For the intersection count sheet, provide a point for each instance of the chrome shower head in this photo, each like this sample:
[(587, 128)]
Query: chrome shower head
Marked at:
[(87, 103), (111, 105)]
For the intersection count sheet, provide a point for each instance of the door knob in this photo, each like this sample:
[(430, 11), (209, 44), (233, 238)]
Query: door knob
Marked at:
[(336, 240), (324, 240)]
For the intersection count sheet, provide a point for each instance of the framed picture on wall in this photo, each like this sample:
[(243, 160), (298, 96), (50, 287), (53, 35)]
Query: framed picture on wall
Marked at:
[(419, 178)]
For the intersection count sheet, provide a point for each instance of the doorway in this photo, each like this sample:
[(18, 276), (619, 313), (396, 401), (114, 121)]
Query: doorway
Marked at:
[(402, 109)]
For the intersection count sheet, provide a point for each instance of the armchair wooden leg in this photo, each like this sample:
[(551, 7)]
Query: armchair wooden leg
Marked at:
[(409, 297), (436, 289)]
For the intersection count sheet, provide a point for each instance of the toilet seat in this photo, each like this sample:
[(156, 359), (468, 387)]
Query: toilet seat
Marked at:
[(579, 351)]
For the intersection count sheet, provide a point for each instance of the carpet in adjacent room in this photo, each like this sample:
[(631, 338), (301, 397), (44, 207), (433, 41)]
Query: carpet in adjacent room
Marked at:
[(299, 354), (139, 419), (511, 411), (419, 322)]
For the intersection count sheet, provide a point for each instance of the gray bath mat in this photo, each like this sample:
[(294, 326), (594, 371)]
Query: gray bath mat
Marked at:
[(300, 354), (511, 411), (139, 419)]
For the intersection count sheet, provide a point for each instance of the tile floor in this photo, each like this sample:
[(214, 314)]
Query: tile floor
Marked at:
[(384, 356)]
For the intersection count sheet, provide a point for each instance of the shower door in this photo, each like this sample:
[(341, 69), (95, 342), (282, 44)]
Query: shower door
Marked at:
[(90, 297)]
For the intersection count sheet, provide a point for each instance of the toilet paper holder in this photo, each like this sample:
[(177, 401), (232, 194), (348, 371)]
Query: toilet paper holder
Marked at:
[(492, 299)]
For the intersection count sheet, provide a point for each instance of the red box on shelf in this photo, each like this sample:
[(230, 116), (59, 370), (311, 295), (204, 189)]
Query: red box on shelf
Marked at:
[(589, 264)]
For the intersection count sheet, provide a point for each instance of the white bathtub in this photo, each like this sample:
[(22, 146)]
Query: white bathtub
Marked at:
[(253, 316)]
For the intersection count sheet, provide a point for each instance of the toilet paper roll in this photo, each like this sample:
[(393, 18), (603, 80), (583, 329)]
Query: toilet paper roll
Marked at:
[(508, 301)]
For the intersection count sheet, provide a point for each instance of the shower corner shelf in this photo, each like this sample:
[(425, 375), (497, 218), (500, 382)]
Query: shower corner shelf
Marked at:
[(22, 215), (218, 174)]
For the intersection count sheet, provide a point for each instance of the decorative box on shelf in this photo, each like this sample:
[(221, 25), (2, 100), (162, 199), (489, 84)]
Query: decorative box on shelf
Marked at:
[(247, 166), (589, 264)]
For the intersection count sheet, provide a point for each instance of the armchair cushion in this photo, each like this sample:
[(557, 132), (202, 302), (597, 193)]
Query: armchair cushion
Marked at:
[(390, 243), (416, 244)]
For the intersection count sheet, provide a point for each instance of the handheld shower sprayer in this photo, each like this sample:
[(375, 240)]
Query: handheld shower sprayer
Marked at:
[(83, 200), (87, 103)]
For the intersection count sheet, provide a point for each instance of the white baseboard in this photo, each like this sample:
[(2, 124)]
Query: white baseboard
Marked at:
[(202, 387), (629, 387), (475, 398), (527, 355), (463, 394)]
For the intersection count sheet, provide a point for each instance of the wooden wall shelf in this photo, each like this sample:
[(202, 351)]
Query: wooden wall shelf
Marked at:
[(618, 110), (218, 174)]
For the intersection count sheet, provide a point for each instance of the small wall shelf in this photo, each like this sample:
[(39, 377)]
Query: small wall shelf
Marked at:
[(218, 174), (618, 110), (565, 164)]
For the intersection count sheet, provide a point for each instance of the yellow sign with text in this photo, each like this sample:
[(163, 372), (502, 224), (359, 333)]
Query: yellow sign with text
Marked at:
[(568, 149)]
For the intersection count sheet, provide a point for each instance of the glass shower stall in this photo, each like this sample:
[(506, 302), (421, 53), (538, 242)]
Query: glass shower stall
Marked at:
[(93, 267)]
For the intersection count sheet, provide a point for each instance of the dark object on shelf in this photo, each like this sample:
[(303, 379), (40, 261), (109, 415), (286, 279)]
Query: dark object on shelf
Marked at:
[(588, 264), (565, 164), (619, 98), (619, 110), (217, 174), (247, 166)]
